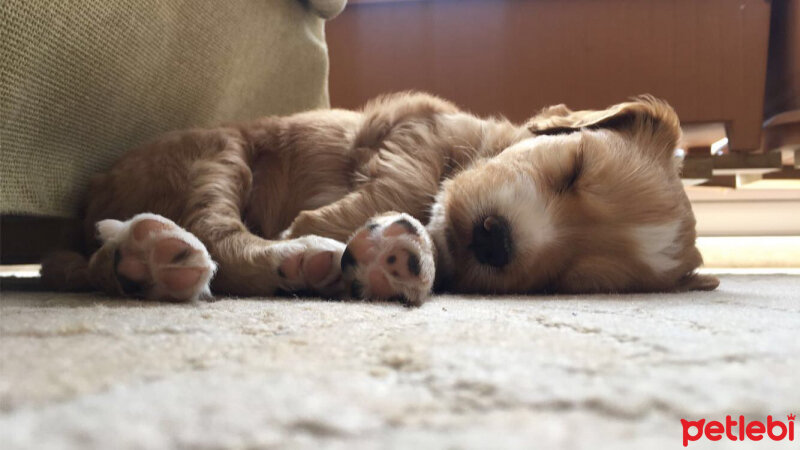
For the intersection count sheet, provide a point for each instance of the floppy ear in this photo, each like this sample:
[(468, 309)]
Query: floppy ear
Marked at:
[(648, 120)]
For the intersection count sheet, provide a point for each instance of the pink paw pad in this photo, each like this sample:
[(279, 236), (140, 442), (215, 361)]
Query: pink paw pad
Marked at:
[(311, 263), (390, 258), (312, 269), (157, 259)]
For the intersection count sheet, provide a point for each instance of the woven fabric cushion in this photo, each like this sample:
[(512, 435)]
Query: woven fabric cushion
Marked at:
[(84, 80)]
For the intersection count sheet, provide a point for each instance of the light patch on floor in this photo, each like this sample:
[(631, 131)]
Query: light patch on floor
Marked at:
[(20, 270), (743, 252), (750, 270)]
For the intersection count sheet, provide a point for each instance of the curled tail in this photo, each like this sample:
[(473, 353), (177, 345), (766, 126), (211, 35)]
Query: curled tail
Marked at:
[(66, 271)]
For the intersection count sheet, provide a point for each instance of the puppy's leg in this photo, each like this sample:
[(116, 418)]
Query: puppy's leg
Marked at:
[(248, 264), (150, 256), (393, 191), (206, 204), (390, 257), (399, 154)]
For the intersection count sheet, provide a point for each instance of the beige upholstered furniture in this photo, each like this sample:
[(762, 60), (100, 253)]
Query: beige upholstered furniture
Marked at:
[(82, 81)]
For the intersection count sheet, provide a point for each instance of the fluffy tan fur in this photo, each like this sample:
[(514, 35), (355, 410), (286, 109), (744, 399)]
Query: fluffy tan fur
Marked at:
[(605, 181)]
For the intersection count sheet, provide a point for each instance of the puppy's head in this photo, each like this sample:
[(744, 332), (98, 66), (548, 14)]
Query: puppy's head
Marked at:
[(591, 203)]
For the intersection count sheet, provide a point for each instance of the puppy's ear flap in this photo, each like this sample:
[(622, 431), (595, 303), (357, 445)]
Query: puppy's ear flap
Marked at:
[(648, 120)]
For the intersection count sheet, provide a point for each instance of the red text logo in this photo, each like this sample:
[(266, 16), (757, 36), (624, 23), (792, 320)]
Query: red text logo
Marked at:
[(738, 430)]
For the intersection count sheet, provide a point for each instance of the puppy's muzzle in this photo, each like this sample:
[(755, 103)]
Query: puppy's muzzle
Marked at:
[(491, 241)]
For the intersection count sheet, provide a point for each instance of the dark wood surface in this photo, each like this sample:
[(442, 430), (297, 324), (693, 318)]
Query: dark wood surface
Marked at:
[(512, 58)]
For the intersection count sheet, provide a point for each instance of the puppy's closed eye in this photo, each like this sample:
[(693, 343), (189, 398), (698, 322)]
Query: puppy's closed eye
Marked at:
[(568, 180)]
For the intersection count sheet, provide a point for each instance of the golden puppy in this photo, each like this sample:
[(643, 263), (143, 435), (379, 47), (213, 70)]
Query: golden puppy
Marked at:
[(570, 202)]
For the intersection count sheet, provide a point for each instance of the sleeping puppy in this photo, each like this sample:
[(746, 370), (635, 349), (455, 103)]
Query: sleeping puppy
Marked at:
[(332, 203)]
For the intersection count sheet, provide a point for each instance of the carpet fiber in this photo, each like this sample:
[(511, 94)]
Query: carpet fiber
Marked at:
[(81, 372)]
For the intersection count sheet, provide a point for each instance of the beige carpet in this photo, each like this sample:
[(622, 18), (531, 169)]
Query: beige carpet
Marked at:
[(84, 372)]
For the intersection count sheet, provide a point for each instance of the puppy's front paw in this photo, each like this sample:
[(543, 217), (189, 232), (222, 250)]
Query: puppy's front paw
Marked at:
[(298, 228), (391, 257), (311, 263), (154, 258)]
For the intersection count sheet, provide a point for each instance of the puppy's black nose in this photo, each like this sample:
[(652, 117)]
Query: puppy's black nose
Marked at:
[(491, 241)]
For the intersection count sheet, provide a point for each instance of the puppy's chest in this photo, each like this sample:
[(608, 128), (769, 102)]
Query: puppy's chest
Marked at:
[(283, 188)]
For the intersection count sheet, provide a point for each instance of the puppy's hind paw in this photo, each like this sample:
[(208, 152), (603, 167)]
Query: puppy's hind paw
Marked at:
[(391, 257), (152, 257)]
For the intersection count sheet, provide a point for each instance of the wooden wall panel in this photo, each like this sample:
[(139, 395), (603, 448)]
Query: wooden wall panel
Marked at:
[(708, 58)]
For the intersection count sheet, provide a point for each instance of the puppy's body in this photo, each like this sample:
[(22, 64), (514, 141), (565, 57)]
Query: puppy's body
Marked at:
[(275, 199)]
